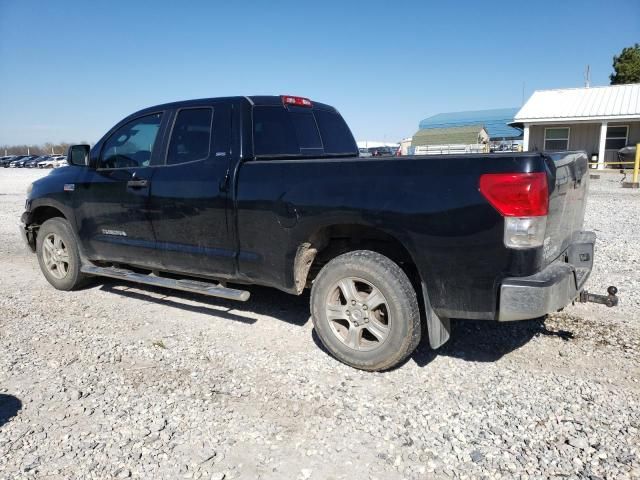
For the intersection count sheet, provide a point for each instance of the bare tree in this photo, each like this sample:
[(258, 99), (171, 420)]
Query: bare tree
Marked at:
[(48, 148)]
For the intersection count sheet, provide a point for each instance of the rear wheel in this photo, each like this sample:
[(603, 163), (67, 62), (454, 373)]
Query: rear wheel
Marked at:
[(58, 255), (365, 310)]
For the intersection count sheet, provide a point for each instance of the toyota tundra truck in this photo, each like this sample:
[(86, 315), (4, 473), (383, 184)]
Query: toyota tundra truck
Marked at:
[(210, 195)]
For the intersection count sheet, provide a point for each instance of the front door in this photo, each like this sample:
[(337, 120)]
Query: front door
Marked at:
[(189, 194), (113, 199)]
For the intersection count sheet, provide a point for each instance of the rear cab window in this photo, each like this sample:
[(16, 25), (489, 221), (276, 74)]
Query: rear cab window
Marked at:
[(293, 131)]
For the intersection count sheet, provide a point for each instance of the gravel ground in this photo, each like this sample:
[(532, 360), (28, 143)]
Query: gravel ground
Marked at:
[(119, 381)]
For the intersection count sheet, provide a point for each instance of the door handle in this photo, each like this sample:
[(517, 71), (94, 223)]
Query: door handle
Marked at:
[(224, 183), (138, 183)]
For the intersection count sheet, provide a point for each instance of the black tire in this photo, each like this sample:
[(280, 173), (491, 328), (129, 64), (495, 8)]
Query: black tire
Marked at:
[(70, 277), (401, 311)]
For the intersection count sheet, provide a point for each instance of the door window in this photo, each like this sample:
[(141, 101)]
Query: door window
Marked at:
[(131, 145), (191, 136)]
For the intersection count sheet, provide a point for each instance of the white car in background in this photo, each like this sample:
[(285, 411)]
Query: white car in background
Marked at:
[(61, 162), (51, 162)]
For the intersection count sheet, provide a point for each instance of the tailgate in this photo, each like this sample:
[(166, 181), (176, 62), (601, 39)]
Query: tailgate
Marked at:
[(568, 182)]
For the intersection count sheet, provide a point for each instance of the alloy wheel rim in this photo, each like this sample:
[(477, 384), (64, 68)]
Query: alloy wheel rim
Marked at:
[(358, 314), (55, 255)]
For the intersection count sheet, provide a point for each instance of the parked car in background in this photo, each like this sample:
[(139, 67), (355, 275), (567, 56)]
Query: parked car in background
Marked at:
[(381, 151), (42, 159), (50, 162), (6, 160), (364, 152), (500, 147), (28, 161), (32, 162), (61, 162), (14, 163), (23, 162)]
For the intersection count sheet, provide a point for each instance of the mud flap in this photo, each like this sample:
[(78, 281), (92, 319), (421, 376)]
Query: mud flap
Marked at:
[(438, 329)]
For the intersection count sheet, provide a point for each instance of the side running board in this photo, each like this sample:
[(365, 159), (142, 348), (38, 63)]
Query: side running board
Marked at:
[(194, 286)]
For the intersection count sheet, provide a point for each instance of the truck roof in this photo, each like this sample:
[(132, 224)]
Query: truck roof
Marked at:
[(276, 100), (269, 100)]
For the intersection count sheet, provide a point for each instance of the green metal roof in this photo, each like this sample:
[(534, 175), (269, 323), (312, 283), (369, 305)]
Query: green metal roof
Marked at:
[(467, 135), (496, 121)]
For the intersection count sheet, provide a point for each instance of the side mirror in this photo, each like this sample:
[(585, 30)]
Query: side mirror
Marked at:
[(78, 155)]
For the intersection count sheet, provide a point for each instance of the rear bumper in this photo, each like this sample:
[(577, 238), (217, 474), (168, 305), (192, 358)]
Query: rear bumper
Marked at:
[(551, 289)]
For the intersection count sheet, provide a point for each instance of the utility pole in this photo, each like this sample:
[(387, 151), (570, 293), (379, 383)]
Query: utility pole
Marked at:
[(587, 77)]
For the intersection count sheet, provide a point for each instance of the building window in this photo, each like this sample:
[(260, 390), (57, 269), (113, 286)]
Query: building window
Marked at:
[(617, 137), (556, 138)]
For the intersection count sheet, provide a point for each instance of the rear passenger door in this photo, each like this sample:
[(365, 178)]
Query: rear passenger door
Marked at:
[(190, 193)]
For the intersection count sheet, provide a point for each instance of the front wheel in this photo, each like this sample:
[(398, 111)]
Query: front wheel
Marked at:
[(58, 255), (365, 311)]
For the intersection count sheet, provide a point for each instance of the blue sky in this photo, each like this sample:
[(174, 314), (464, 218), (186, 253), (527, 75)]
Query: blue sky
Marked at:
[(69, 70)]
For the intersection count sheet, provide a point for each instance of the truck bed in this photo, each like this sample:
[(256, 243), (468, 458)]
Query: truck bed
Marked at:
[(430, 204)]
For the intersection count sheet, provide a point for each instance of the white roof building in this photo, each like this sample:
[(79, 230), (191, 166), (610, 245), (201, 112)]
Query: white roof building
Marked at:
[(600, 120)]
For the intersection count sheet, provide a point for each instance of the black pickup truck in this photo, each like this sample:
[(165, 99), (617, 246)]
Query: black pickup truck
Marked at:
[(270, 190)]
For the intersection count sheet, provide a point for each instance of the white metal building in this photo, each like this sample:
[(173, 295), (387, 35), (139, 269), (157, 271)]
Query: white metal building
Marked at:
[(599, 120)]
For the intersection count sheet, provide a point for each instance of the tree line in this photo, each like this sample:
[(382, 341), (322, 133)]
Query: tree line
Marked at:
[(43, 149), (626, 66)]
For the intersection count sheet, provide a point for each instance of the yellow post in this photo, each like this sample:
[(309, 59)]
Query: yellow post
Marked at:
[(636, 168), (637, 164)]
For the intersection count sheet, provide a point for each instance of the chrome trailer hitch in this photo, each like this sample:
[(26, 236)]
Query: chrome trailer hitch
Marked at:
[(610, 300)]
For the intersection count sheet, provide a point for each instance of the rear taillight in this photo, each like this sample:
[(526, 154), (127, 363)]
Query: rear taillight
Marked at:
[(298, 101), (516, 194), (523, 199)]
